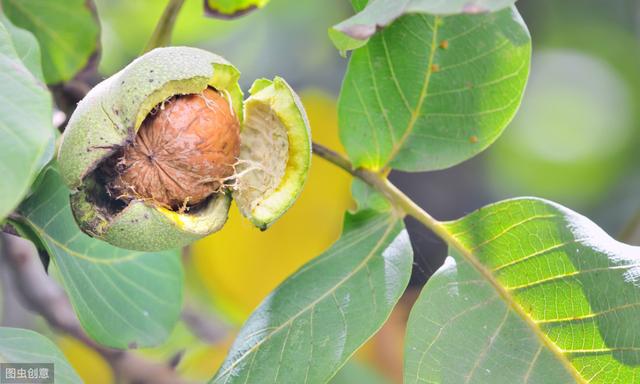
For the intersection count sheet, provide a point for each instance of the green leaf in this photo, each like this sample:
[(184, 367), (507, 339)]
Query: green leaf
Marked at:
[(231, 8), (26, 46), (67, 31), (429, 92), (534, 293), (368, 198), (25, 116), (364, 24), (357, 373), (25, 346), (306, 329), (122, 298), (380, 13), (344, 42), (451, 7)]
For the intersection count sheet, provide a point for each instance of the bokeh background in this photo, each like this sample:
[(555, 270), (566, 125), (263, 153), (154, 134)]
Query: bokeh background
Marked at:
[(575, 140)]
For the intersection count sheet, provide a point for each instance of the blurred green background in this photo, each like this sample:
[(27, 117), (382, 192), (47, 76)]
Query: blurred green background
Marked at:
[(575, 140)]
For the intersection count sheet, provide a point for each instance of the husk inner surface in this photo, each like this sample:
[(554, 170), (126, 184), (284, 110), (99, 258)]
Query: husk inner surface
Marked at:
[(264, 153)]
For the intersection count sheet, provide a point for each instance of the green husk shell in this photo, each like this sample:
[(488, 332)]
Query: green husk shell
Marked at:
[(275, 152), (111, 114), (274, 159)]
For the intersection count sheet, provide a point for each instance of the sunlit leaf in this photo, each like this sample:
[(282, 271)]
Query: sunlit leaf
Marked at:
[(25, 346), (429, 92), (67, 31), (380, 13), (368, 198), (533, 293), (312, 323), (231, 8), (25, 115), (122, 298)]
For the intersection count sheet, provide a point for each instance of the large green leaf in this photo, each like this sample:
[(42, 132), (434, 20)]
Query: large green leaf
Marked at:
[(24, 346), (356, 30), (26, 46), (25, 115), (449, 7), (67, 31), (534, 293), (429, 92), (357, 373), (306, 329), (231, 8), (122, 298)]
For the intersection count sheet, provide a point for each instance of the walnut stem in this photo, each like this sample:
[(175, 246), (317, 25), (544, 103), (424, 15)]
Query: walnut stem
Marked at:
[(161, 36)]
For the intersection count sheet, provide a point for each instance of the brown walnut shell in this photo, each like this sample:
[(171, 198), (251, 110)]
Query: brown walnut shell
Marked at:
[(183, 152)]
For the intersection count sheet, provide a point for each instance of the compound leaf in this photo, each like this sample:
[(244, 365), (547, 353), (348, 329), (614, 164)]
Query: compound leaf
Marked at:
[(306, 329), (25, 115), (67, 31), (124, 299), (356, 30), (429, 92), (227, 9), (533, 293), (25, 346)]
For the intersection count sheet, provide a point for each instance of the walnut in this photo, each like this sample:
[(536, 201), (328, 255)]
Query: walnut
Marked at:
[(183, 152)]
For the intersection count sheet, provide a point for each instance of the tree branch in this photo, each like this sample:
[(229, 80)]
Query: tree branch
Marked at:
[(44, 296), (161, 36), (396, 197)]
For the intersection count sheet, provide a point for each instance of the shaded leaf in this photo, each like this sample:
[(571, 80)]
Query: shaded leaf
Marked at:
[(429, 92), (344, 42), (67, 32), (356, 30), (534, 293), (310, 325), (368, 198), (450, 7), (26, 46), (25, 115), (357, 373), (226, 9), (25, 346), (122, 298)]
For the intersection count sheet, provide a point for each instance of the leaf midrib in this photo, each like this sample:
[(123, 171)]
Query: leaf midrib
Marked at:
[(33, 164), (81, 256), (415, 114), (383, 238), (469, 256)]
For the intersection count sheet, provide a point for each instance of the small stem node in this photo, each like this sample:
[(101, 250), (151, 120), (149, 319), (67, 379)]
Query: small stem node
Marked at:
[(380, 183)]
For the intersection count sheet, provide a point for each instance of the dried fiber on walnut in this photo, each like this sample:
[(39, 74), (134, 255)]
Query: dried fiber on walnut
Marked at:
[(183, 152)]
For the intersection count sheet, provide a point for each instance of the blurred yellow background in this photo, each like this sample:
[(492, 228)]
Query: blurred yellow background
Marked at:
[(240, 265)]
